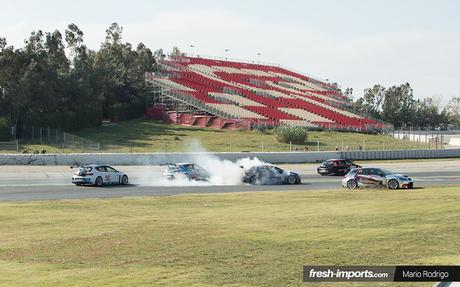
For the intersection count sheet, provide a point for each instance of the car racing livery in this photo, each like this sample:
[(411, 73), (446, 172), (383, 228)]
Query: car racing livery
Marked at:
[(190, 171), (98, 175), (368, 177), (336, 167), (270, 174)]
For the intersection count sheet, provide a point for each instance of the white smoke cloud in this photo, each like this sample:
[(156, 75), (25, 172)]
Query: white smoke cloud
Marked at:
[(222, 172)]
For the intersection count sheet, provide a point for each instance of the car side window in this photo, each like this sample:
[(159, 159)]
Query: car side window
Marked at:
[(375, 171), (109, 169), (101, 169), (380, 172), (365, 171)]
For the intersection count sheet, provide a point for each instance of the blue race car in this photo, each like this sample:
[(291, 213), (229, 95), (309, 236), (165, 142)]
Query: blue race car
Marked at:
[(189, 171)]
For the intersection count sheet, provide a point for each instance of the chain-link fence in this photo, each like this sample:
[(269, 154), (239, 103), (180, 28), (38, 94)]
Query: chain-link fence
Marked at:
[(10, 146), (60, 140)]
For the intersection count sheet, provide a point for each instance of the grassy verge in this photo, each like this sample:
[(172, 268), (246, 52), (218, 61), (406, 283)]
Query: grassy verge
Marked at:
[(243, 239), (151, 136)]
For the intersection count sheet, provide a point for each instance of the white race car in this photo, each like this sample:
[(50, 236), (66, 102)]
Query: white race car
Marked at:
[(98, 175)]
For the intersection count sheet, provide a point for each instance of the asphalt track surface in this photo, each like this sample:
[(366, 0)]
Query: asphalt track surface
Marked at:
[(27, 183)]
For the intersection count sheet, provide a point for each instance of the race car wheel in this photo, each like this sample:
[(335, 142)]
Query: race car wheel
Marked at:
[(393, 184), (99, 181), (352, 184), (124, 180), (253, 180), (291, 179)]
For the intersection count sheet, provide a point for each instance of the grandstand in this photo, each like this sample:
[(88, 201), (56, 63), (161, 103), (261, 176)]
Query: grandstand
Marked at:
[(229, 94)]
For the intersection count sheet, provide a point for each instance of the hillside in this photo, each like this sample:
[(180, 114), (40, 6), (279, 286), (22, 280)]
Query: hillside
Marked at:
[(153, 136)]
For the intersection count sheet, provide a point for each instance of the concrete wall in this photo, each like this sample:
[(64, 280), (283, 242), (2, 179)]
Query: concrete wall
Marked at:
[(455, 141), (401, 154), (164, 158), (427, 136)]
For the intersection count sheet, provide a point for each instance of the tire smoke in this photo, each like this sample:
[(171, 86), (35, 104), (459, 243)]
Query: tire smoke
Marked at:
[(222, 172)]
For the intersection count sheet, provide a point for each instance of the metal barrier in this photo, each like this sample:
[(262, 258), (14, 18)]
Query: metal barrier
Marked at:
[(401, 154), (9, 146), (164, 158)]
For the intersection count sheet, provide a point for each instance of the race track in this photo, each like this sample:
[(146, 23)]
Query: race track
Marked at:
[(24, 183)]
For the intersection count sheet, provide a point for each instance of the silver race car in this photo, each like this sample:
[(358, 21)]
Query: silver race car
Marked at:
[(368, 177), (98, 175)]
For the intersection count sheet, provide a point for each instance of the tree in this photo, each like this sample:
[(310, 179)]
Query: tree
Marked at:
[(399, 105), (349, 92), (372, 102), (176, 53), (114, 34), (453, 111), (74, 39), (2, 43), (159, 55), (40, 85), (120, 71), (396, 105)]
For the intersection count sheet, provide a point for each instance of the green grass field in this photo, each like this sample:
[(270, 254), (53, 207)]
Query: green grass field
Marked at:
[(152, 136), (238, 239)]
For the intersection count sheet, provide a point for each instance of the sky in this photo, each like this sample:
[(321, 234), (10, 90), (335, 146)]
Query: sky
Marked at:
[(356, 43)]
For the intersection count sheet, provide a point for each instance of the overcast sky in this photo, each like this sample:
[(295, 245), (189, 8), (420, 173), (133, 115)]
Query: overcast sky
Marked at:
[(355, 43)]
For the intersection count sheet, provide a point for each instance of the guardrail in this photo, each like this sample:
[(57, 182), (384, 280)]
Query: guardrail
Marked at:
[(164, 158)]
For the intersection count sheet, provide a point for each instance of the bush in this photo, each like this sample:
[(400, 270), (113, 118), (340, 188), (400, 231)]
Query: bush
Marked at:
[(5, 134), (286, 134), (127, 111)]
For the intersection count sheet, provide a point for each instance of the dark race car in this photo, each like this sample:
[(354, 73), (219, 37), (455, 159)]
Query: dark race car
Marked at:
[(269, 174), (190, 171), (369, 177), (336, 167)]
